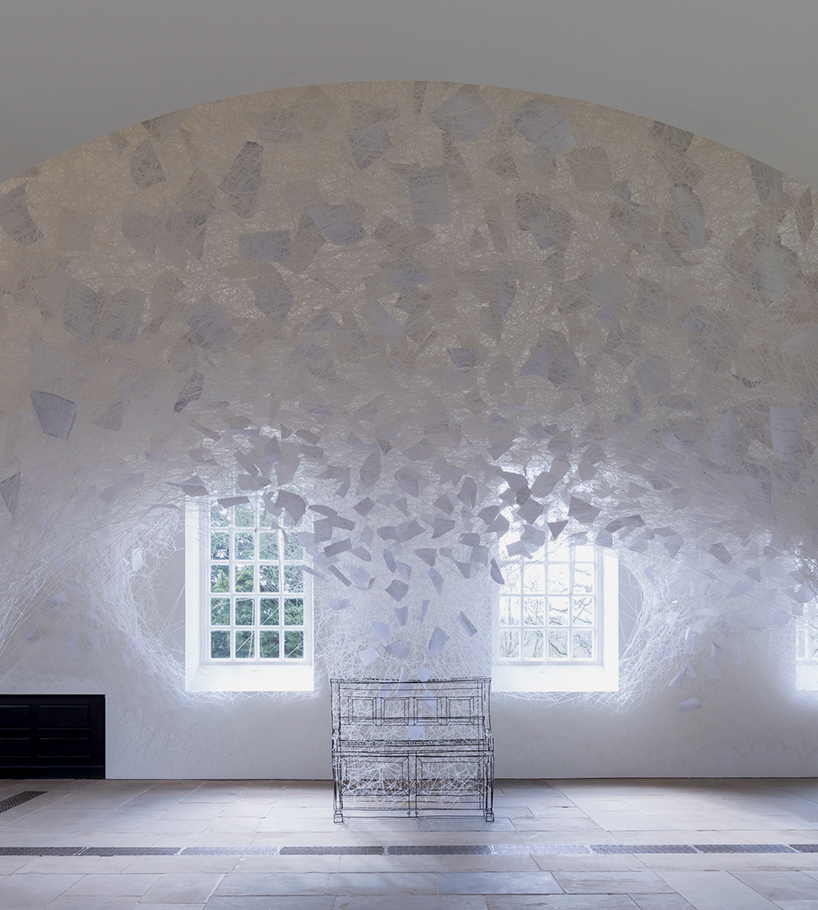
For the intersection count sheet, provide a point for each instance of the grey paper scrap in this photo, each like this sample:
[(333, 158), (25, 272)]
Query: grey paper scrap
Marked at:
[(54, 414)]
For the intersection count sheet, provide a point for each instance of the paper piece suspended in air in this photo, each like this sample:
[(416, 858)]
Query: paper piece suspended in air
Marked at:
[(15, 218), (193, 486), (242, 181), (398, 649), (464, 114), (55, 414), (544, 124), (438, 641), (368, 656), (10, 492)]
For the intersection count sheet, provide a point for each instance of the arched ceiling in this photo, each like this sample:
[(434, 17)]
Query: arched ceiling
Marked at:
[(737, 71)]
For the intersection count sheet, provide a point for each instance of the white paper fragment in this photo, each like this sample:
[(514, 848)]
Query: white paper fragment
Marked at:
[(380, 319), (242, 180), (398, 649), (146, 168), (401, 615), (340, 603), (689, 704), (293, 503), (544, 124), (550, 225), (268, 246), (397, 589), (467, 624), (424, 674), (690, 210), (805, 214), (786, 428), (368, 656), (464, 358), (209, 327), (193, 486), (775, 266), (464, 114), (769, 182), (654, 375), (590, 169), (582, 511), (437, 580), (438, 641), (54, 414), (10, 492), (337, 223), (368, 142), (429, 196), (15, 218)]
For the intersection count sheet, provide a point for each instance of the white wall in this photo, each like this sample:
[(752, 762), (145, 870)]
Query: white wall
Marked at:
[(752, 722)]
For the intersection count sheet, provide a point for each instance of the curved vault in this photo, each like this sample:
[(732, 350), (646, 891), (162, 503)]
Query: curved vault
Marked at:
[(431, 325)]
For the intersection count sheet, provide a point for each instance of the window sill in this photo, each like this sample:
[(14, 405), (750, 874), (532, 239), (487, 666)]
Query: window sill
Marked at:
[(254, 678), (554, 678), (806, 676)]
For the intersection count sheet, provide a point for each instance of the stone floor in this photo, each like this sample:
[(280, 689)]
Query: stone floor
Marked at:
[(271, 845)]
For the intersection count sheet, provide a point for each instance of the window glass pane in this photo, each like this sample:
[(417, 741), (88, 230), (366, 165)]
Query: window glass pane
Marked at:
[(220, 611), (244, 561), (534, 611), (293, 549), (244, 612), (219, 645), (219, 545), (245, 644), (268, 578), (219, 517), (801, 644), (559, 551), (509, 611), (558, 578), (583, 611), (244, 515), (509, 644), (268, 609), (583, 578), (245, 545), (584, 553), (534, 578), (269, 644), (533, 644), (219, 579), (293, 611), (512, 578), (267, 545), (294, 645), (583, 645), (557, 643), (293, 579), (558, 611), (244, 578)]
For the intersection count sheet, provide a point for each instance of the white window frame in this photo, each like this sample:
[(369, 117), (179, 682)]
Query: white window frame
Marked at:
[(602, 675), (806, 640), (234, 675)]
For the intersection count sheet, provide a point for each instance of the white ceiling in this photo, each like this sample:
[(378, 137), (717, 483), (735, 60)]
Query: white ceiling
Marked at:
[(737, 71)]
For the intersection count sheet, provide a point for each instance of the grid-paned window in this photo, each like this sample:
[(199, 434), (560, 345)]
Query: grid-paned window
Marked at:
[(806, 635), (550, 606), (257, 606)]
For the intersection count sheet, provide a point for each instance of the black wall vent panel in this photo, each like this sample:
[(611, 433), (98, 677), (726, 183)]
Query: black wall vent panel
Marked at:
[(52, 736)]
